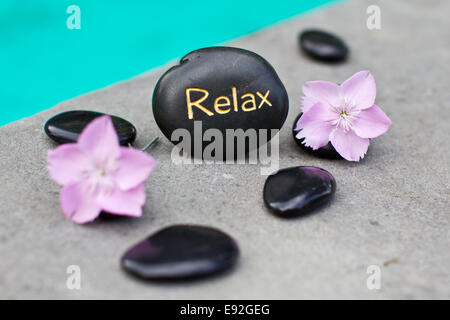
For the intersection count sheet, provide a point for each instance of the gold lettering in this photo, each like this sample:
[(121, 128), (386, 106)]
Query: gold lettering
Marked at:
[(196, 103), (263, 98), (218, 105), (252, 100), (224, 104), (235, 102)]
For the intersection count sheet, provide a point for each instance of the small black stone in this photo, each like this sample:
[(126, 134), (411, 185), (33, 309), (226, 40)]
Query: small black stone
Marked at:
[(181, 252), (326, 151), (67, 126), (323, 46), (235, 88), (298, 190)]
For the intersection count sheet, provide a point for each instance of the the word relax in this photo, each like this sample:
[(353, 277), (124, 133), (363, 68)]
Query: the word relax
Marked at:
[(223, 104), (234, 148)]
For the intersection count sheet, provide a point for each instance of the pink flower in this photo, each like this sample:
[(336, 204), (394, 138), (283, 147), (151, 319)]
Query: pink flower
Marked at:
[(97, 174), (345, 115)]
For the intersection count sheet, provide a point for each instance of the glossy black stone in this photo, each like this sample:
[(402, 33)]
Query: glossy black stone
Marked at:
[(67, 126), (323, 46), (231, 79), (298, 190), (181, 252), (326, 151)]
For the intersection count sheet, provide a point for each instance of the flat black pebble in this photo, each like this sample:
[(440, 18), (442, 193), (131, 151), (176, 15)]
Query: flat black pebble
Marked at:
[(67, 126), (181, 252), (298, 190), (326, 151), (323, 46), (224, 88)]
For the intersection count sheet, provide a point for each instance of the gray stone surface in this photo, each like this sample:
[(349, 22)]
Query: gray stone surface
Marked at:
[(393, 204)]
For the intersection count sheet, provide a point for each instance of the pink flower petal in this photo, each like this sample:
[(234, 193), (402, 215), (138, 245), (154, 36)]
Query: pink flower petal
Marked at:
[(321, 91), (77, 204), (100, 139), (360, 89), (98, 174), (307, 103), (134, 168), (371, 122), (316, 126), (127, 203), (65, 163), (349, 145)]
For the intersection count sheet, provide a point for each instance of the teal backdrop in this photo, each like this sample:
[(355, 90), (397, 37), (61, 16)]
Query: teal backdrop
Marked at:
[(43, 62)]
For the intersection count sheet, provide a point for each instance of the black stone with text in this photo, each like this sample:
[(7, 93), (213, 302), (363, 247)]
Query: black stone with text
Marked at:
[(224, 88), (67, 126)]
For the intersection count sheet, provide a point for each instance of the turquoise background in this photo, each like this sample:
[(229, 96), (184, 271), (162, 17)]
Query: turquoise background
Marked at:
[(42, 62)]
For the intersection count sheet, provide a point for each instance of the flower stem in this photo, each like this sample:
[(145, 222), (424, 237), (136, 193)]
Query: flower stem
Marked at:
[(147, 146), (150, 144)]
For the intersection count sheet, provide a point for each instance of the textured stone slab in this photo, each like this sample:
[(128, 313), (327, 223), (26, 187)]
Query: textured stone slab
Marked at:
[(393, 204)]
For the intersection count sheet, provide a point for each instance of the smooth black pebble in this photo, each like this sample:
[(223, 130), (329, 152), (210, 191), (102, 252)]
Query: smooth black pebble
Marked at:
[(298, 190), (67, 126), (224, 88), (323, 46), (326, 151), (181, 252)]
